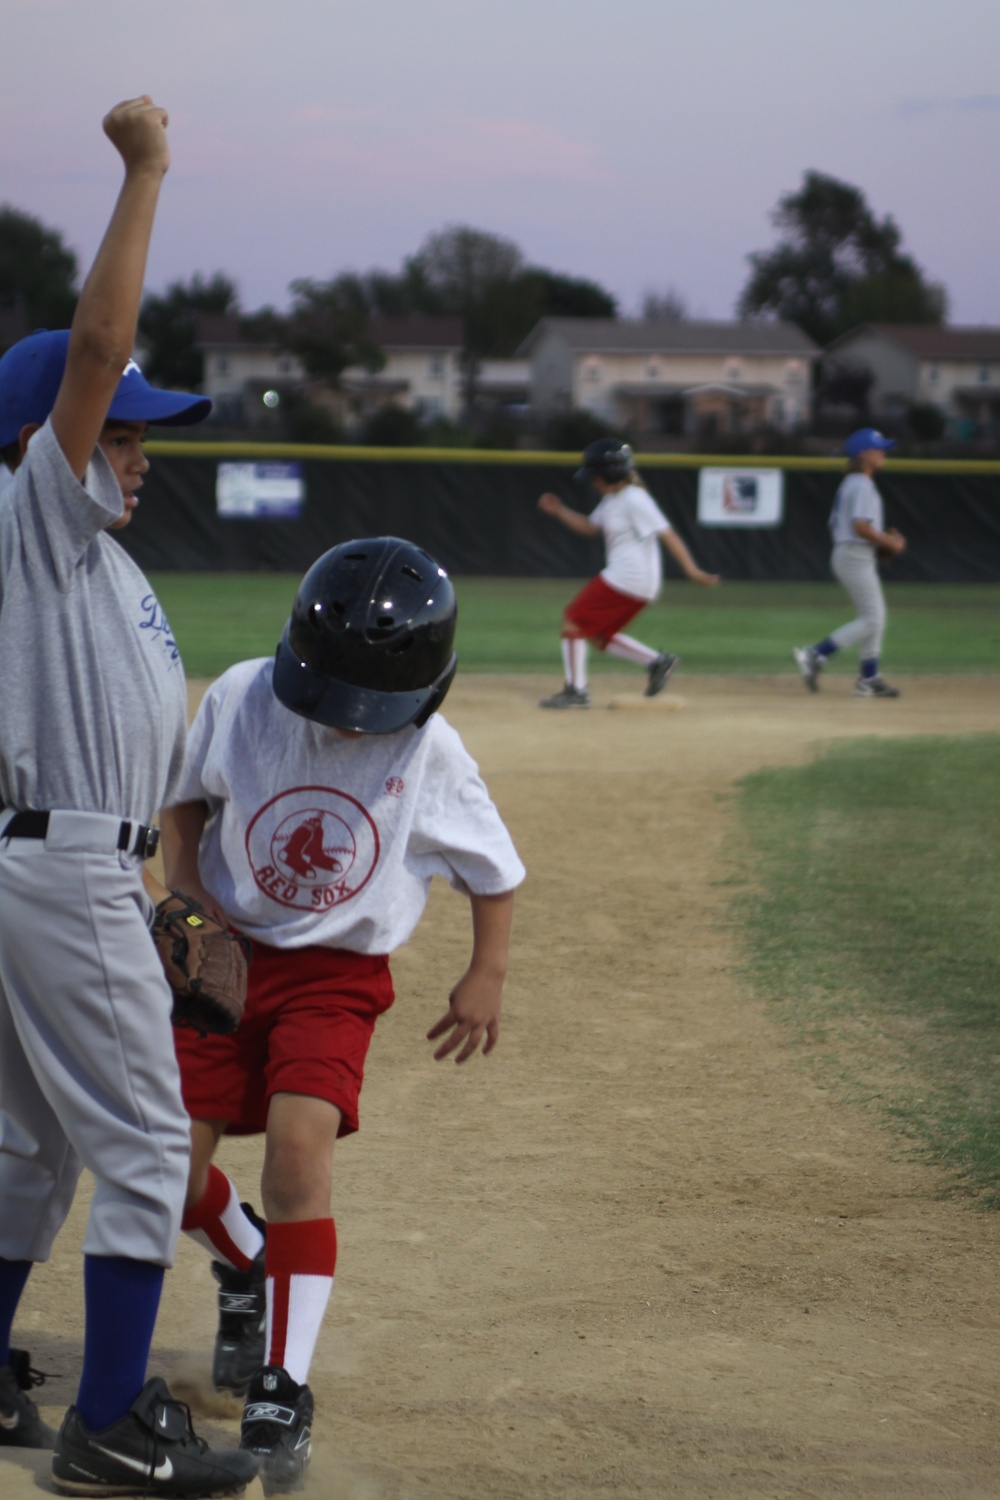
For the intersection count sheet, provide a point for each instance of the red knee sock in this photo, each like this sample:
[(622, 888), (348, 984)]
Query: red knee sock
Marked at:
[(219, 1224), (300, 1261)]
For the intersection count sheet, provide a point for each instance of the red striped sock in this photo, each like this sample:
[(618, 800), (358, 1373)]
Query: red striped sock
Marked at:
[(300, 1261), (219, 1224)]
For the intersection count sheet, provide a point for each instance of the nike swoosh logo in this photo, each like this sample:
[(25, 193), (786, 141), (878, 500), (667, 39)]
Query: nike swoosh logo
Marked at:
[(163, 1470)]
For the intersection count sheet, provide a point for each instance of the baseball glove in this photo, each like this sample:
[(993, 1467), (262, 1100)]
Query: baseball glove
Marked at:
[(206, 966)]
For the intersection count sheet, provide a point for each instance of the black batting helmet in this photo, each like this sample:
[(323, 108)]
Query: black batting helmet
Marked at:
[(608, 459), (368, 645)]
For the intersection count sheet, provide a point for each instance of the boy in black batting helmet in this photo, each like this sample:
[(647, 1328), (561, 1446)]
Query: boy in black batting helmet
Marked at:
[(633, 526), (321, 793)]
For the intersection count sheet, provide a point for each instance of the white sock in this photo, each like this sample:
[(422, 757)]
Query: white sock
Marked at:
[(305, 1302), (578, 663), (631, 650)]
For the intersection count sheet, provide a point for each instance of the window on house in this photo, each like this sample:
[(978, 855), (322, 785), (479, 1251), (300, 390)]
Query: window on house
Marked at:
[(734, 369), (793, 372), (592, 369), (435, 366), (984, 372), (652, 370), (932, 375), (222, 365)]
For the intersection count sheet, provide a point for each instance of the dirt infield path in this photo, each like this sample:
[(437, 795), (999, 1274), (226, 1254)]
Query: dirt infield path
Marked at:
[(637, 1252)]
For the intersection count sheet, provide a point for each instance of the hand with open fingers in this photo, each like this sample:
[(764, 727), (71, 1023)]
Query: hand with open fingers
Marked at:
[(473, 1014), (137, 128), (550, 504)]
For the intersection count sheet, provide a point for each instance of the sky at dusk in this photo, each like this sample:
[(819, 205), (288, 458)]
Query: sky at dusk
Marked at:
[(640, 143)]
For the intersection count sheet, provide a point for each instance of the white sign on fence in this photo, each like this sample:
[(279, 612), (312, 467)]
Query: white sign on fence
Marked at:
[(740, 497), (259, 491)]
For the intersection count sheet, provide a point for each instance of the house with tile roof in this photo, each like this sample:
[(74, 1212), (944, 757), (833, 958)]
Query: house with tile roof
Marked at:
[(956, 369), (673, 378)]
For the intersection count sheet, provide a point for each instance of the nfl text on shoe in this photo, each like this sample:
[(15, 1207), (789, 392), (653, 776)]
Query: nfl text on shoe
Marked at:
[(239, 1342), (874, 687), (152, 1450), (277, 1427), (20, 1424), (567, 697), (659, 673), (810, 664)]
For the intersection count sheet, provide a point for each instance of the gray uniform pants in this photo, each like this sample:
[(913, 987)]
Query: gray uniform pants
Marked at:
[(854, 565), (88, 1072)]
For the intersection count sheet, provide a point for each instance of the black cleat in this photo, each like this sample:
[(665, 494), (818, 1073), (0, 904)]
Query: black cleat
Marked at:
[(151, 1450), (658, 673), (567, 697), (277, 1428), (239, 1342), (20, 1424)]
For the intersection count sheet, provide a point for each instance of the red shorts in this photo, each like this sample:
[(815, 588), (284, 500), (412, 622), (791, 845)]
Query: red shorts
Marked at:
[(598, 611), (309, 1018)]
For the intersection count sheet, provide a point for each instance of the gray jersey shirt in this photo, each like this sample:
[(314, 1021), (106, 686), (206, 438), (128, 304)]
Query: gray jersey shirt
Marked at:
[(94, 701), (857, 500)]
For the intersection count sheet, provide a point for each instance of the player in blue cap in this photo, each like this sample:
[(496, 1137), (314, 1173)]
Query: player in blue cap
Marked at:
[(860, 537), (91, 743)]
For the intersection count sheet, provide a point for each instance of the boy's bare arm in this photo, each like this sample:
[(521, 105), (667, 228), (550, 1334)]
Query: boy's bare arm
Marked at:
[(103, 330), (572, 519), (474, 1004), (181, 828), (678, 549)]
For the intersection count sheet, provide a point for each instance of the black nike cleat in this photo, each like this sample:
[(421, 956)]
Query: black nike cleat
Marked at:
[(151, 1450), (20, 1424)]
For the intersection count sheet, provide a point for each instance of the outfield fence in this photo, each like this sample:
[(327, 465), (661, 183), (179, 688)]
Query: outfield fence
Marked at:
[(477, 511)]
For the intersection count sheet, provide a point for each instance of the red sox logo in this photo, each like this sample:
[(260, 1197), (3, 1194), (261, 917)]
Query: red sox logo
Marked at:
[(312, 847)]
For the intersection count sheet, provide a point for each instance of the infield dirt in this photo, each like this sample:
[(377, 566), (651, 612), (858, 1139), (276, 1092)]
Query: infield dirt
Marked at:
[(637, 1251)]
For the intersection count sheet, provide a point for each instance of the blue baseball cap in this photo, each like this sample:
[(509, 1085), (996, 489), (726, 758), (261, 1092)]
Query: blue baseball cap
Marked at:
[(866, 437), (31, 373)]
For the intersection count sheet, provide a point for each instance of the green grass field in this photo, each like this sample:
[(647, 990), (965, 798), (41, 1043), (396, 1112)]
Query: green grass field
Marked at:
[(869, 916), (512, 624)]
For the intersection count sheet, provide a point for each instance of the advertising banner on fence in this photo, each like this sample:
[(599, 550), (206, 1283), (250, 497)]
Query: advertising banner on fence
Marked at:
[(740, 497), (259, 491)]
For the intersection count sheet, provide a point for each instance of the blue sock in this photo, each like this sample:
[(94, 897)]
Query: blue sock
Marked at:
[(122, 1298), (826, 647), (869, 667), (13, 1276)]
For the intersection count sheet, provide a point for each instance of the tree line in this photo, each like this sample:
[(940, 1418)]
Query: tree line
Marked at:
[(834, 264)]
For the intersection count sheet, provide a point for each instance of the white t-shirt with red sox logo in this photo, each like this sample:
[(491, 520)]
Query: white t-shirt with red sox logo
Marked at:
[(315, 838)]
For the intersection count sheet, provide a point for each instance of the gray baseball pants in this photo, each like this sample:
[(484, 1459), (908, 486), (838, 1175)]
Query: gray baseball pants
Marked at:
[(854, 565), (88, 1072)]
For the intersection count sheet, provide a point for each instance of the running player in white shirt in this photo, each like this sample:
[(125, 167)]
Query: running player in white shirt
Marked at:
[(321, 793), (859, 537), (633, 527)]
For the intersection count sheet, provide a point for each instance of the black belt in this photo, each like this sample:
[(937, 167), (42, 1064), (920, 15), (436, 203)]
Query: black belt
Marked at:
[(133, 838)]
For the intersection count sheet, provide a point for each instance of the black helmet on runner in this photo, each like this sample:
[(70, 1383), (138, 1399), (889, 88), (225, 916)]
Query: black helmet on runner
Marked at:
[(369, 642), (609, 459)]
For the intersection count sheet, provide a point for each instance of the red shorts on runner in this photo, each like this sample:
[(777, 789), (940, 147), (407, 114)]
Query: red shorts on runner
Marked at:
[(309, 1018), (598, 611)]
